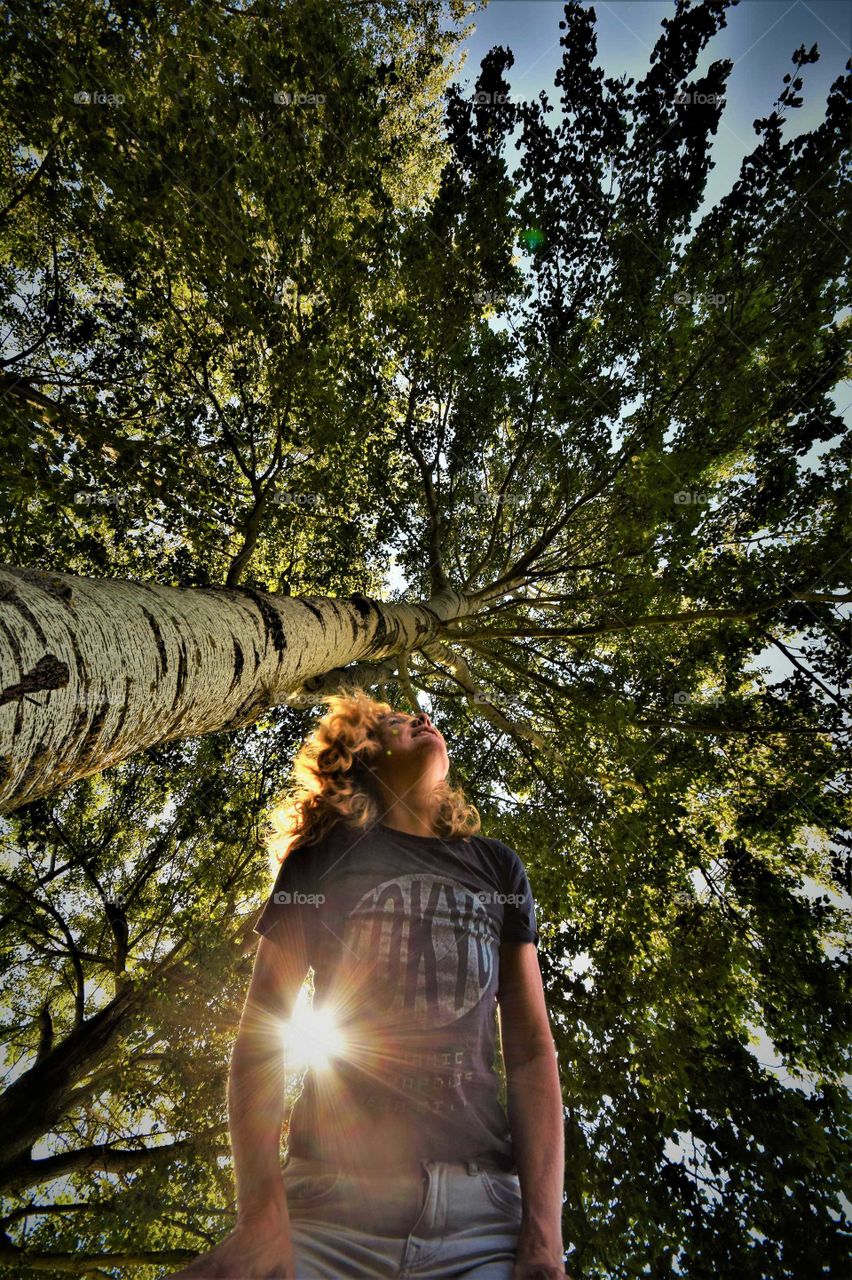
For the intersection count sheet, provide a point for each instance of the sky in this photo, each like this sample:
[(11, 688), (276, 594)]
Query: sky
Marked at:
[(760, 38)]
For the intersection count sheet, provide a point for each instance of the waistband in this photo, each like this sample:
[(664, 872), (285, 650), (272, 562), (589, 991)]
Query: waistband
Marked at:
[(308, 1166)]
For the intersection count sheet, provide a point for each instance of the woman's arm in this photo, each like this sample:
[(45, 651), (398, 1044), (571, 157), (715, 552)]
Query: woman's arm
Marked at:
[(256, 1083), (534, 1098), (260, 1245)]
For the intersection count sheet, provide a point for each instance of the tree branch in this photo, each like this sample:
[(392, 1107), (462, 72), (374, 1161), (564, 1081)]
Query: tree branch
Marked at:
[(810, 675), (101, 1158), (73, 953), (461, 673), (33, 178), (405, 680), (80, 1263), (437, 576), (650, 620)]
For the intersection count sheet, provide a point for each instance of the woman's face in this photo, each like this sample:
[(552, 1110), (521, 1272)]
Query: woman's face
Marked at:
[(411, 747)]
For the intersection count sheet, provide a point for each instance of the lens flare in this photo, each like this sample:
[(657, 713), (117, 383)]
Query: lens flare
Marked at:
[(533, 237), (311, 1038)]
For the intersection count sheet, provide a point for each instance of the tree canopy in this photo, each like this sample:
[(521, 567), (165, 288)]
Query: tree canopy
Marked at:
[(284, 309)]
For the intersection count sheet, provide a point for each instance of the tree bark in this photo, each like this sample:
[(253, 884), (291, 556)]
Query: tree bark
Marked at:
[(93, 671)]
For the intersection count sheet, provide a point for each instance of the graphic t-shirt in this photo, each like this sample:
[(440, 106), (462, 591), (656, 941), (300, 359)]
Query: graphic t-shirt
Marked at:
[(403, 933)]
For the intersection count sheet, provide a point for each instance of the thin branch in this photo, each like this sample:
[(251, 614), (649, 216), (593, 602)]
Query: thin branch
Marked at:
[(437, 575), (33, 178), (40, 340), (516, 571), (650, 620), (251, 532), (226, 430), (80, 1262), (693, 726), (805, 671), (405, 681), (460, 671), (73, 953), (495, 523)]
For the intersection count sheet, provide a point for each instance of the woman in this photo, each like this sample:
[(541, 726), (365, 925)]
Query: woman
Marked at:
[(402, 1161)]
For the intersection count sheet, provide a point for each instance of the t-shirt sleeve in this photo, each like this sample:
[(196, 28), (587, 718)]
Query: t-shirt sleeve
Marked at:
[(294, 897), (519, 921)]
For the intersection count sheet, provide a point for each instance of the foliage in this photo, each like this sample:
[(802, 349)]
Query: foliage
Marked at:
[(570, 393)]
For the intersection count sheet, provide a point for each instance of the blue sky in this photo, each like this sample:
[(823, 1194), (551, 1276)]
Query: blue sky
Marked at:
[(759, 39)]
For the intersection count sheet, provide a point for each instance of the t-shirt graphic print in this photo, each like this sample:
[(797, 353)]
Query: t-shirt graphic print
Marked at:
[(431, 942), (403, 933)]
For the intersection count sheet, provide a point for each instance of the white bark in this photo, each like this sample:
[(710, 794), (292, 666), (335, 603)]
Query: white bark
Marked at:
[(92, 671)]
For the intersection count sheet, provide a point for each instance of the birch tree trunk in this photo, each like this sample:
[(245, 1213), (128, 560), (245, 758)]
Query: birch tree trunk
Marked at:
[(93, 671)]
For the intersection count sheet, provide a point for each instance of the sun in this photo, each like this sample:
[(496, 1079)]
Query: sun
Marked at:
[(311, 1037)]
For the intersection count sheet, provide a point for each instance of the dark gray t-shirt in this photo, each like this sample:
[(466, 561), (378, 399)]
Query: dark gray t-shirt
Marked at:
[(403, 933)]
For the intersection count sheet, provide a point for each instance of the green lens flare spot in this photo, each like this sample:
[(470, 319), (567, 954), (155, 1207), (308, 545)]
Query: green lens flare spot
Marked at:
[(533, 237)]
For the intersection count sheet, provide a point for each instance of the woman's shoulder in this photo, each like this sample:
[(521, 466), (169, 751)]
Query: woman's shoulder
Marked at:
[(502, 853), (318, 840), (491, 842)]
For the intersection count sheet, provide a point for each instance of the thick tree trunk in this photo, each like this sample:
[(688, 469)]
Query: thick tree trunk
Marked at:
[(92, 671)]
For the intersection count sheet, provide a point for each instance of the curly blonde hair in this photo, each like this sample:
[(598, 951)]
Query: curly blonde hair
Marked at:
[(331, 781)]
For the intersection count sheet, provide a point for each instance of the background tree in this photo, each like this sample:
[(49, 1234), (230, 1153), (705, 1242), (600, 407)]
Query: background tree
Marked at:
[(563, 399)]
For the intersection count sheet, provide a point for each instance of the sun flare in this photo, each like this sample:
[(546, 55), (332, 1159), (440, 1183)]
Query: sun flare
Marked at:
[(311, 1037)]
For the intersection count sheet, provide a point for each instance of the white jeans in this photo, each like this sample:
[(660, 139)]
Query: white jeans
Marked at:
[(449, 1219)]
